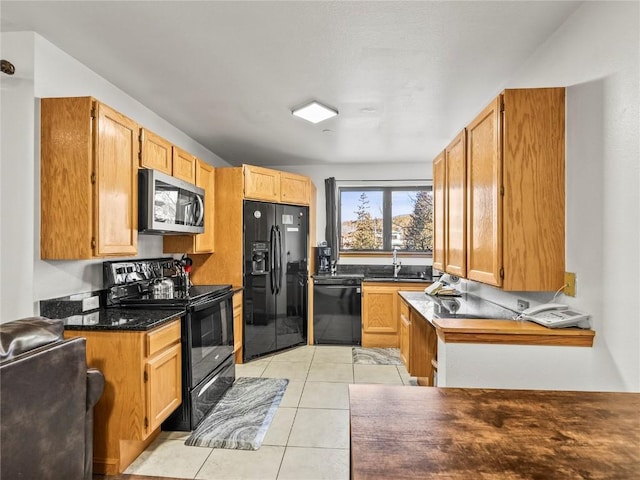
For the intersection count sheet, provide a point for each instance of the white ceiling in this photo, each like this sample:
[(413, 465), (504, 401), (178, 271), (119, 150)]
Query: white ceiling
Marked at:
[(405, 76)]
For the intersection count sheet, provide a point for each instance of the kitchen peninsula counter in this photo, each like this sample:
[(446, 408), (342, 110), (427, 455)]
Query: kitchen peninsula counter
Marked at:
[(493, 324), (457, 433), (480, 345)]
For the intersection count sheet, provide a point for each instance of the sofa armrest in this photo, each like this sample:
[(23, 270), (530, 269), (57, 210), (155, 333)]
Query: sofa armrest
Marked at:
[(95, 387)]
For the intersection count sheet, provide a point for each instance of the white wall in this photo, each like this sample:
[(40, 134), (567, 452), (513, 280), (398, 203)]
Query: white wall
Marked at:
[(16, 177), (361, 171), (595, 54), (43, 70)]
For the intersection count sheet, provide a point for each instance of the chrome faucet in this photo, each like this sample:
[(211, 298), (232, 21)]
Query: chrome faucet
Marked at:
[(397, 265)]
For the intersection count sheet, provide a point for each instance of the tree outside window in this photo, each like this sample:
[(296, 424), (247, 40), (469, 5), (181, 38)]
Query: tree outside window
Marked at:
[(383, 218)]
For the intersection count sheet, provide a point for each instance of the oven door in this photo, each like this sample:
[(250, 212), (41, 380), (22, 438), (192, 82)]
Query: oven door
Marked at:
[(210, 336)]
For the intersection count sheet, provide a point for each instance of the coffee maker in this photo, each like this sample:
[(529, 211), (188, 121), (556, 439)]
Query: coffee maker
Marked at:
[(324, 259)]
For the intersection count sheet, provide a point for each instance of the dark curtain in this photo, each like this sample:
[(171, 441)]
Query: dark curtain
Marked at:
[(331, 231)]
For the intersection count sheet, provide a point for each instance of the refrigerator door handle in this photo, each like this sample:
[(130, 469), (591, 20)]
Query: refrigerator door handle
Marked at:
[(272, 259), (278, 261)]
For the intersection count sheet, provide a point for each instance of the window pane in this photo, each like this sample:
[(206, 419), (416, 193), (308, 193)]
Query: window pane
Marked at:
[(361, 219), (412, 220)]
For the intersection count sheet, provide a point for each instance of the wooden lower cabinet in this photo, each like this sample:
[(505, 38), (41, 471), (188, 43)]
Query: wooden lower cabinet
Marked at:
[(418, 345), (237, 326), (405, 337), (143, 386), (381, 312)]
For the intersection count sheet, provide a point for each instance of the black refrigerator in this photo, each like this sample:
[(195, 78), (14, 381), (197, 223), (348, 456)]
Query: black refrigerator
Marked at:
[(276, 241)]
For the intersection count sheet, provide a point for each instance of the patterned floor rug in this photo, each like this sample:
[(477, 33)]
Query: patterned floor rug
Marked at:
[(376, 356), (242, 416)]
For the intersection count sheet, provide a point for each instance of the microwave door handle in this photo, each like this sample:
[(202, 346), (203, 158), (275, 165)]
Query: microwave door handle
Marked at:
[(199, 211)]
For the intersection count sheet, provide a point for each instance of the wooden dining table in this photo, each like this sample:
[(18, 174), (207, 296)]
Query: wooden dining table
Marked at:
[(461, 433)]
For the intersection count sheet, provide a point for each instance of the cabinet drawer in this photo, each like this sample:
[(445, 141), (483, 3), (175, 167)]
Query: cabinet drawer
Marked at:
[(162, 337)]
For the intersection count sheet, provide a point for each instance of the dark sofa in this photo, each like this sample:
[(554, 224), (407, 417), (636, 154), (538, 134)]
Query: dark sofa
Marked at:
[(47, 395)]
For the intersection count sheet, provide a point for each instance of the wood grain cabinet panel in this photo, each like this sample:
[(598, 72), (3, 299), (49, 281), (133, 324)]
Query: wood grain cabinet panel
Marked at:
[(261, 183), (237, 326), (163, 386), (88, 184), (483, 196), (202, 242), (294, 188), (184, 165), (143, 386), (381, 313), (515, 195), (439, 212), (156, 152), (405, 338), (455, 213)]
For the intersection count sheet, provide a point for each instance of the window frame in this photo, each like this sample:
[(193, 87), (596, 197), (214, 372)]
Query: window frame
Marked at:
[(387, 190)]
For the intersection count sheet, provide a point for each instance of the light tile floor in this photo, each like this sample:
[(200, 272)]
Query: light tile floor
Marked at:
[(308, 438)]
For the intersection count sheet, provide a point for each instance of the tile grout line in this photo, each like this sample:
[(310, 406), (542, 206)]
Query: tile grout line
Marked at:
[(286, 445)]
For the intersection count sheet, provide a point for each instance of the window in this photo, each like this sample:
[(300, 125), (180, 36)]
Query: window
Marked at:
[(381, 218)]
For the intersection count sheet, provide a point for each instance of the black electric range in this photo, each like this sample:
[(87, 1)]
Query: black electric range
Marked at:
[(208, 365)]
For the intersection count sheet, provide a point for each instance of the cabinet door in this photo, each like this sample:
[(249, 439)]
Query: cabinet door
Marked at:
[(205, 178), (294, 188), (261, 184), (424, 345), (484, 182), (116, 185), (439, 209), (380, 310), (163, 386), (184, 165), (237, 326), (66, 167), (405, 326), (156, 152), (456, 226)]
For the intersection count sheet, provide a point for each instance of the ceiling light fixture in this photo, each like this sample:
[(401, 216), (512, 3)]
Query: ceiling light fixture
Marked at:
[(314, 112)]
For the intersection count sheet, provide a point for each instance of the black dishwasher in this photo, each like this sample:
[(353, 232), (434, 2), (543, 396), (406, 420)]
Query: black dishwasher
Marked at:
[(337, 310)]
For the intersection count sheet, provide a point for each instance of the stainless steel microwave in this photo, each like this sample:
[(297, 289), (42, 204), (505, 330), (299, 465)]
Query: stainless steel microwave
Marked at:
[(168, 205)]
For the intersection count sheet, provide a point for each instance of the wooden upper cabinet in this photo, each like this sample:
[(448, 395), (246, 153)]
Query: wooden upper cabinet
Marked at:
[(275, 186), (205, 178), (484, 177), (261, 183), (533, 176), (88, 181), (294, 188), (516, 196), (156, 152), (184, 165), (439, 211), (455, 213), (202, 242), (513, 194)]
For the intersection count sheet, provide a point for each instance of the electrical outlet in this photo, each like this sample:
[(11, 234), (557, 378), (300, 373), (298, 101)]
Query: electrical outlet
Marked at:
[(522, 305), (569, 284)]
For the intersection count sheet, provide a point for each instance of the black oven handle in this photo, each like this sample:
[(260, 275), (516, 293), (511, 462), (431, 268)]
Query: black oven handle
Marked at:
[(204, 304)]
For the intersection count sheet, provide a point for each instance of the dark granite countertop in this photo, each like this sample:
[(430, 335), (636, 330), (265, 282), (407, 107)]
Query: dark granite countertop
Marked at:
[(375, 278), (138, 319), (399, 279)]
